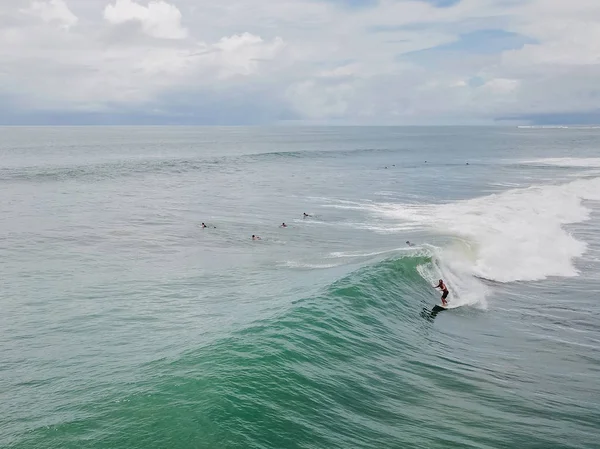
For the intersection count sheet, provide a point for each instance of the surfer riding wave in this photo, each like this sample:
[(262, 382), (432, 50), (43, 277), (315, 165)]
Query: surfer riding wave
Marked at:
[(445, 292)]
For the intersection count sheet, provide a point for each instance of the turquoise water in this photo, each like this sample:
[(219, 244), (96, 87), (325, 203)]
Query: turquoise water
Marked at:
[(124, 324)]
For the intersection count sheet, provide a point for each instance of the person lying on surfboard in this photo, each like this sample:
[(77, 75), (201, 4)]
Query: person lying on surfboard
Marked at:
[(444, 292)]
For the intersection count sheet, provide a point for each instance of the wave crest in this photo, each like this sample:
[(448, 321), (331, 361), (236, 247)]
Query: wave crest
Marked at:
[(517, 235)]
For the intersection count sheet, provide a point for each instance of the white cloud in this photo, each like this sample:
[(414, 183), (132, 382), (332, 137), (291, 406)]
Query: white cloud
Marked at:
[(501, 85), (242, 54), (321, 101), (159, 19), (73, 72), (53, 11), (314, 58)]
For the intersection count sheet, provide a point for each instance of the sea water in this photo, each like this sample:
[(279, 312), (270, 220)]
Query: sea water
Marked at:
[(125, 324)]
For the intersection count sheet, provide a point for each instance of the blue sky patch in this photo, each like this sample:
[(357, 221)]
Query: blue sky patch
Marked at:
[(476, 81), (441, 3), (476, 42), (488, 41)]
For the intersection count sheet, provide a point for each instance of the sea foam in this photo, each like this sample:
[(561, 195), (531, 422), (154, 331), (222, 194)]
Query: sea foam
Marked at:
[(591, 162), (516, 235)]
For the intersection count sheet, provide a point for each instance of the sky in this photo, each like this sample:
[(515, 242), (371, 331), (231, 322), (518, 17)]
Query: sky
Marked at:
[(347, 62)]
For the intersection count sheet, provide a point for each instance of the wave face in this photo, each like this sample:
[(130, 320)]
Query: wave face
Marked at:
[(335, 370), (352, 367)]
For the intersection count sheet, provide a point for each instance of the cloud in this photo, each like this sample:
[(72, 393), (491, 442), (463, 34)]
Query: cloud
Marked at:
[(159, 19), (355, 3), (241, 54), (52, 11), (354, 61)]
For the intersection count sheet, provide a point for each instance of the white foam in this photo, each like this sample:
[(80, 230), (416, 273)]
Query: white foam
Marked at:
[(454, 265), (309, 266), (352, 254), (517, 235), (505, 184), (578, 127), (586, 162), (543, 127)]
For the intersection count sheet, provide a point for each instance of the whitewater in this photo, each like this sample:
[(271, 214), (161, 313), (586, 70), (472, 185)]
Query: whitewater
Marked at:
[(516, 235)]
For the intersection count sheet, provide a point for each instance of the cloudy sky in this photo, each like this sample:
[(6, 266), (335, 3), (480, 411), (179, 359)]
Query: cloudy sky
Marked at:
[(299, 61)]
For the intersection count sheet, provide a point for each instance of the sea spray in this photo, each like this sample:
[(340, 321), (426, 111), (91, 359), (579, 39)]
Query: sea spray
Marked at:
[(517, 235)]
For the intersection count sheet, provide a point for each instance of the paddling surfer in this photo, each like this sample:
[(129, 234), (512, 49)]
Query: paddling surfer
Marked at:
[(444, 289)]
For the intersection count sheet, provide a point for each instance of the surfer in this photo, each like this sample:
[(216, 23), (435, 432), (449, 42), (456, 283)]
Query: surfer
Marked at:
[(203, 225), (442, 286), (283, 225), (306, 215), (255, 237), (409, 244)]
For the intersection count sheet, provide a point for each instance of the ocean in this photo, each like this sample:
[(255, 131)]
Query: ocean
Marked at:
[(125, 324)]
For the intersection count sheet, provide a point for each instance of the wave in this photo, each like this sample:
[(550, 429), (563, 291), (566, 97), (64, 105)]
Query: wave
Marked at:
[(418, 270), (108, 170), (359, 254), (352, 365), (322, 153), (516, 235), (134, 167), (576, 127), (329, 355), (570, 162), (543, 127), (309, 266)]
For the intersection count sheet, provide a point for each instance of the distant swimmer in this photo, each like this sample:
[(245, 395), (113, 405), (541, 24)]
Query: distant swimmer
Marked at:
[(410, 244), (255, 237), (306, 215), (283, 225), (203, 226), (442, 286)]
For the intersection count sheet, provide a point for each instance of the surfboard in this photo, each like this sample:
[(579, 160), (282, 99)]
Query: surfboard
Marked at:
[(430, 314)]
